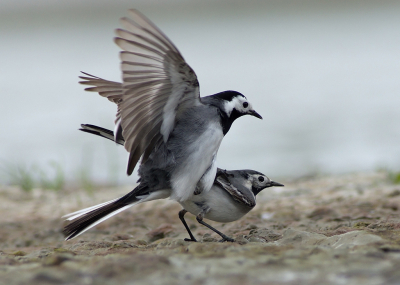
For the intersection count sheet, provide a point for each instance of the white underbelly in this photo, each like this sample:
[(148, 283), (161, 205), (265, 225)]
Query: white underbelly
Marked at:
[(203, 152), (217, 204)]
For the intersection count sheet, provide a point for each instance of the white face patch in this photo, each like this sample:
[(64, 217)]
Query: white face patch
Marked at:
[(259, 180), (239, 103)]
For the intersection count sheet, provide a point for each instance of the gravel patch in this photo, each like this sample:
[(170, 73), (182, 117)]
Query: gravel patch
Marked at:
[(316, 230)]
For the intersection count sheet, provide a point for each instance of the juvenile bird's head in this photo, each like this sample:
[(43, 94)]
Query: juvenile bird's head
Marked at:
[(252, 180), (259, 182)]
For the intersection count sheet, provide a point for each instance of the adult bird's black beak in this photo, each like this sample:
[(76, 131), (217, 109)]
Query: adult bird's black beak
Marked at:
[(255, 114), (273, 183)]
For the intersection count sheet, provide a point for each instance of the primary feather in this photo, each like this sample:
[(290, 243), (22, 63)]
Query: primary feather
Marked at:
[(157, 85)]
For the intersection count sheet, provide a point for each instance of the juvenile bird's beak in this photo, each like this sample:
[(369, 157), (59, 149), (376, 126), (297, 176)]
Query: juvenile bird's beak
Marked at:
[(273, 183), (255, 114)]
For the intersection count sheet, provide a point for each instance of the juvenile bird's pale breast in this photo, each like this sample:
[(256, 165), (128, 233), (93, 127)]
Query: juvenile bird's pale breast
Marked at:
[(202, 153), (223, 208), (218, 205)]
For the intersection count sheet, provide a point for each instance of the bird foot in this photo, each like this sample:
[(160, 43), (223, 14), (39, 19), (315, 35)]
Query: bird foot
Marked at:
[(189, 239), (224, 239)]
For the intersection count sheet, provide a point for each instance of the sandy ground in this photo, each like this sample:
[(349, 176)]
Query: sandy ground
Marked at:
[(316, 230)]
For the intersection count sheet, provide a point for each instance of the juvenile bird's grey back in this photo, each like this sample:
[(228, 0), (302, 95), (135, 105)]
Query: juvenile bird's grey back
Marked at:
[(238, 185)]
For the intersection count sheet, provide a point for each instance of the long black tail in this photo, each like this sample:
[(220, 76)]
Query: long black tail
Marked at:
[(92, 216), (108, 134)]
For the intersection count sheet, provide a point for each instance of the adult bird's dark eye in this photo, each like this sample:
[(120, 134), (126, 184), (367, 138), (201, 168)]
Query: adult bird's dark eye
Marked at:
[(260, 178), (245, 104)]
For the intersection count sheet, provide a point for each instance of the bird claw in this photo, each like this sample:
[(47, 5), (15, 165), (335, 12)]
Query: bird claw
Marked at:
[(189, 239), (224, 239)]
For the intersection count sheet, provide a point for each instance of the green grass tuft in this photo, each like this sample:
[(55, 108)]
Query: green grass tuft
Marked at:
[(22, 177), (29, 177), (394, 177)]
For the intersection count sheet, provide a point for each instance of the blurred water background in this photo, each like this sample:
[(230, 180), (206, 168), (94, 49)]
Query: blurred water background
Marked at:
[(325, 75)]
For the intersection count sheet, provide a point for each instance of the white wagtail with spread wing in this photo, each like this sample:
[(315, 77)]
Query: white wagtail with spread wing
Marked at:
[(232, 196), (161, 115)]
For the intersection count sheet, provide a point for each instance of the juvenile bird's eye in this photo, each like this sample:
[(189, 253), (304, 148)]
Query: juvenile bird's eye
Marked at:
[(260, 178), (245, 105)]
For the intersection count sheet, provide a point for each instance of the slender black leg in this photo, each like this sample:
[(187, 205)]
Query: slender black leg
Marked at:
[(199, 218), (181, 216)]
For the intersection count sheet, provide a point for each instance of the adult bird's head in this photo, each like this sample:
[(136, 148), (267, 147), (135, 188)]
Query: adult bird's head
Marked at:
[(235, 105)]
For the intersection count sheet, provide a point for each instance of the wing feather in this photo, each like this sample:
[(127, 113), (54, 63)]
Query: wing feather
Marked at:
[(112, 90), (237, 191), (157, 86)]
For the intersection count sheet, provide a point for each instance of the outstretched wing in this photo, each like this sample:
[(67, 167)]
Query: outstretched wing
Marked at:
[(157, 86), (238, 192), (110, 89)]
